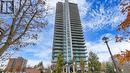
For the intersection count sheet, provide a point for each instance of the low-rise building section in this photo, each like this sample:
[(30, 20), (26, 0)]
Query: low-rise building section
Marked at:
[(16, 65)]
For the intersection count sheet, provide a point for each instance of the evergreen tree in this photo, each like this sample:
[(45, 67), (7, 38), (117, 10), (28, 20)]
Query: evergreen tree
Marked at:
[(39, 66), (93, 63), (110, 68), (82, 65), (59, 65)]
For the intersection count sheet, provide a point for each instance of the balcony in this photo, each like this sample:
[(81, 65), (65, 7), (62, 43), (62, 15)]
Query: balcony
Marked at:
[(56, 52), (58, 44), (58, 33), (76, 32), (73, 27), (59, 18), (79, 49), (80, 30), (58, 41), (58, 36), (75, 23), (77, 18), (79, 56), (57, 47), (77, 37), (79, 45), (78, 59), (79, 52), (73, 34), (58, 24), (58, 30)]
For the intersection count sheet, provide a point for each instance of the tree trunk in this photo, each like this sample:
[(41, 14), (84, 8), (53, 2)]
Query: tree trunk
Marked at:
[(2, 50)]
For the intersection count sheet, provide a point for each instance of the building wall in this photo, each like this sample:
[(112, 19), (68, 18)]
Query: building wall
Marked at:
[(78, 42), (16, 65), (32, 70), (9, 66), (58, 32)]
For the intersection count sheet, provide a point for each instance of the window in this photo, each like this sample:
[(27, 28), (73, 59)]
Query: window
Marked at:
[(7, 7), (69, 54), (14, 63)]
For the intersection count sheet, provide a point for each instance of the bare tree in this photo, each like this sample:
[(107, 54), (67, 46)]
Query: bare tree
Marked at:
[(124, 27), (27, 21)]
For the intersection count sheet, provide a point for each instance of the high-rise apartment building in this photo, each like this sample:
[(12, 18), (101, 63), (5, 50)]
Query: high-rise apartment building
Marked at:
[(16, 65), (68, 34)]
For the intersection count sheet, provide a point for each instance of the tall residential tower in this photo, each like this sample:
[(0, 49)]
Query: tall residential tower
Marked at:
[(68, 34)]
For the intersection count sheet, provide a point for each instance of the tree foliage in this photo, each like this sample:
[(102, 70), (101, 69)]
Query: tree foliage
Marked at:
[(125, 9), (123, 57), (40, 67), (109, 68), (93, 62), (82, 65), (59, 65), (23, 27), (124, 27)]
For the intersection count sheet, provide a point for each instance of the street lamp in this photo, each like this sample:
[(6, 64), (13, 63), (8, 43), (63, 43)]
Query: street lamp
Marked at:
[(105, 39)]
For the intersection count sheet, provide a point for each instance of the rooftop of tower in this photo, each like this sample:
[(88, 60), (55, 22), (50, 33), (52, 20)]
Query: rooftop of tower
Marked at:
[(70, 1)]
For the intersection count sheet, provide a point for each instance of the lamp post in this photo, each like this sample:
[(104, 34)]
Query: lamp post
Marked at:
[(105, 39)]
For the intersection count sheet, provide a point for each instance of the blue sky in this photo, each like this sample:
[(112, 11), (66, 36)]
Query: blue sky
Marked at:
[(99, 18)]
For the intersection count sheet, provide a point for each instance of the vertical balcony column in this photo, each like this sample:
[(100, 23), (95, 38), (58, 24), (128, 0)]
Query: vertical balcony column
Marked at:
[(66, 1)]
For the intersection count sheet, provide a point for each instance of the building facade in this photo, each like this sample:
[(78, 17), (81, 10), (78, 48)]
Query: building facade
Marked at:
[(32, 70), (16, 65), (68, 35)]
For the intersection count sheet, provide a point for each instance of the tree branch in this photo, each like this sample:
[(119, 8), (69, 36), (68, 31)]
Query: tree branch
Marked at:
[(20, 8), (21, 19), (26, 28)]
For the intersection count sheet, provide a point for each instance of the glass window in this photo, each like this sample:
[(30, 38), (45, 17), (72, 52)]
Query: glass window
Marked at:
[(7, 7)]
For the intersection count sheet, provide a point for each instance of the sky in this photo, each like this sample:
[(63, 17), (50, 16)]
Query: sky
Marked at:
[(99, 18)]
